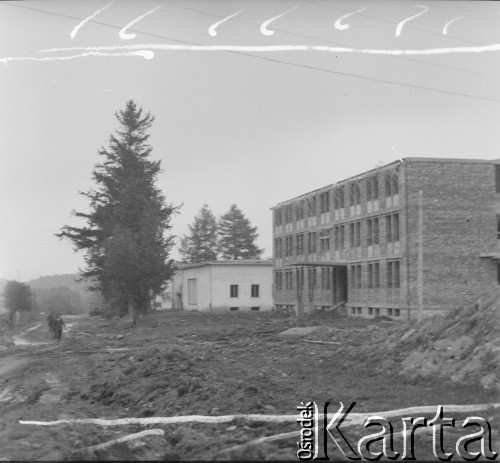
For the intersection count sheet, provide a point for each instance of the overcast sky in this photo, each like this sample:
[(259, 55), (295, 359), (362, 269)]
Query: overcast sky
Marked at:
[(252, 127)]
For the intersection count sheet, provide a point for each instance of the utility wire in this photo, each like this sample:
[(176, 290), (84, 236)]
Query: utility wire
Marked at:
[(304, 66)]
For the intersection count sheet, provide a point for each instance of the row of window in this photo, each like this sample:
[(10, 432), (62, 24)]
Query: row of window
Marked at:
[(234, 289), (306, 243), (253, 309), (192, 292), (375, 311), (392, 275), (320, 203), (322, 278)]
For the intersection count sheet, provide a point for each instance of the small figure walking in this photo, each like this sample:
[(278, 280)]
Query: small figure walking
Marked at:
[(58, 327), (51, 322)]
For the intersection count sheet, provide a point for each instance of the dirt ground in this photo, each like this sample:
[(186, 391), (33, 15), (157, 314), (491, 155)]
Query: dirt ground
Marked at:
[(188, 363)]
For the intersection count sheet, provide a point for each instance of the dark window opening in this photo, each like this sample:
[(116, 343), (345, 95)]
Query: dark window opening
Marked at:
[(233, 290)]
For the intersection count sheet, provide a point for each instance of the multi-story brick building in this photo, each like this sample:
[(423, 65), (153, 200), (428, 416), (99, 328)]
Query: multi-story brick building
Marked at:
[(413, 238)]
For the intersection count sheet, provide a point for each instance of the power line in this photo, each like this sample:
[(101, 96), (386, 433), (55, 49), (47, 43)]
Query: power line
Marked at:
[(374, 79), (304, 66)]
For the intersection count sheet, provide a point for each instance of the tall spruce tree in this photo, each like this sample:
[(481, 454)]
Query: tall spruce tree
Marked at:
[(200, 244), (237, 237), (125, 240)]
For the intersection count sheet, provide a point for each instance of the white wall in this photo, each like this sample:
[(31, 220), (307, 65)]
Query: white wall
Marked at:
[(213, 287)]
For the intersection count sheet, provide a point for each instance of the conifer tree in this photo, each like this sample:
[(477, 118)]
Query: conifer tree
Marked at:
[(200, 244), (237, 236), (125, 240), (17, 297)]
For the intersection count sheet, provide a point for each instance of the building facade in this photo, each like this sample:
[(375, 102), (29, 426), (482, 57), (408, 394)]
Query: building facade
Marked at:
[(234, 285), (410, 239)]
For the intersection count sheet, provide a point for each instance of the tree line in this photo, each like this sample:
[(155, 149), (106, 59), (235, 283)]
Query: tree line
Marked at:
[(126, 238)]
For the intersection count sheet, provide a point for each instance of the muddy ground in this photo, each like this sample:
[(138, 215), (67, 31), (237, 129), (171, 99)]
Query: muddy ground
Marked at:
[(185, 363)]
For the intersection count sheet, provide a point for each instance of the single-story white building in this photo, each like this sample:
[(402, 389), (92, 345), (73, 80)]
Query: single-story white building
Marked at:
[(224, 285)]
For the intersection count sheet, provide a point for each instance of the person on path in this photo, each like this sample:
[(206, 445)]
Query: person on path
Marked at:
[(51, 323), (58, 327)]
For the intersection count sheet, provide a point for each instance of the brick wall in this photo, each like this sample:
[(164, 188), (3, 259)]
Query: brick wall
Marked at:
[(459, 223)]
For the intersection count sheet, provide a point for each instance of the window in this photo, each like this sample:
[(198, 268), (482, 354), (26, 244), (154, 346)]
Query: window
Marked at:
[(277, 217), (353, 310), (233, 290), (498, 227), (497, 178), (278, 280), (192, 293), (388, 228), (338, 198), (341, 237), (311, 209), (370, 310), (312, 242), (357, 227), (388, 184), (255, 290), (397, 312), (369, 232), (324, 244), (395, 183), (233, 309), (376, 275), (299, 210), (359, 310), (353, 276), (389, 312), (395, 227), (375, 231), (396, 278), (370, 275), (254, 309), (375, 188), (324, 202), (389, 275), (358, 276), (377, 312), (391, 183), (498, 274), (368, 189), (289, 214), (351, 235)]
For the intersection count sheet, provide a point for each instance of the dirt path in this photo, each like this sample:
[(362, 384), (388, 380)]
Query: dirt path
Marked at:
[(204, 364)]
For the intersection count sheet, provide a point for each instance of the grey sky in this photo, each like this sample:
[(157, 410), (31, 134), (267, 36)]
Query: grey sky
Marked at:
[(229, 127)]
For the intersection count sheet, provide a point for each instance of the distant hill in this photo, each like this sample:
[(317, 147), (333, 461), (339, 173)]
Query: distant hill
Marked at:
[(47, 286), (57, 281)]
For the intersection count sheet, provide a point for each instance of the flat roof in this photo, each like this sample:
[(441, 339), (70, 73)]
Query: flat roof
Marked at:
[(385, 166), (235, 263)]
